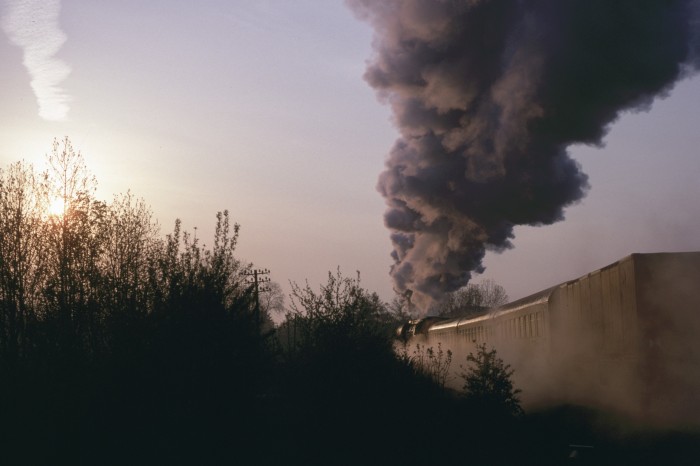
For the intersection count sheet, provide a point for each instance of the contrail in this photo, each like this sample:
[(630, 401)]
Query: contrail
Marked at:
[(33, 26), (488, 95)]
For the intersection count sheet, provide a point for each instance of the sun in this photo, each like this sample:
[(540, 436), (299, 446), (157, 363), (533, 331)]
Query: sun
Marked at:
[(57, 207)]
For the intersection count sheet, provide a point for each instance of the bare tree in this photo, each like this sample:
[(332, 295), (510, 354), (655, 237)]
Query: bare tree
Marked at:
[(493, 294), (272, 300), (401, 308), (23, 200), (75, 240), (473, 298), (130, 241)]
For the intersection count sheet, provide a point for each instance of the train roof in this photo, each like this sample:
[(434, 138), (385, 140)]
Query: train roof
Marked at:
[(643, 257), (537, 298), (437, 324)]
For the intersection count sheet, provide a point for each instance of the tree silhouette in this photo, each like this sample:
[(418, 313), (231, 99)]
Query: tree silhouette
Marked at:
[(488, 383), (23, 200), (75, 242), (122, 346), (473, 298)]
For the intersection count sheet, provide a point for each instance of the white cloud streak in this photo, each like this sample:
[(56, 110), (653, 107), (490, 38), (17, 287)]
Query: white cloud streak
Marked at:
[(33, 26)]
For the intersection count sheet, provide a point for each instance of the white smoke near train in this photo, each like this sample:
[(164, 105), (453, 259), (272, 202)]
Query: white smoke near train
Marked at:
[(488, 95)]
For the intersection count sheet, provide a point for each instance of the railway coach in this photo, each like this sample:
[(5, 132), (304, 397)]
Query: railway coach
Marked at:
[(624, 337)]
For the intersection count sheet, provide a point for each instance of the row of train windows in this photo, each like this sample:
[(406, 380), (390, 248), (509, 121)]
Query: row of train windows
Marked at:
[(527, 326), (478, 334)]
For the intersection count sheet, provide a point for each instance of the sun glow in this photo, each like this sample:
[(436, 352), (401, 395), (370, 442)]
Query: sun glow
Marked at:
[(56, 208)]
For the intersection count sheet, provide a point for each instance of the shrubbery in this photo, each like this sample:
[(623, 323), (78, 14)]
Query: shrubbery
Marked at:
[(118, 346)]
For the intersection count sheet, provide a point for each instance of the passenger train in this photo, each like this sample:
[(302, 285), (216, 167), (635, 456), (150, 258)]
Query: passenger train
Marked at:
[(625, 337)]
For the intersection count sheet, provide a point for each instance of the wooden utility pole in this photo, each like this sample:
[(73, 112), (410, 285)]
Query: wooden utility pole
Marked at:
[(258, 279)]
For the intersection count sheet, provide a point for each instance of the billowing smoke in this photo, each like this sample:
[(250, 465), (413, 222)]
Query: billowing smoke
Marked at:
[(33, 26), (488, 95)]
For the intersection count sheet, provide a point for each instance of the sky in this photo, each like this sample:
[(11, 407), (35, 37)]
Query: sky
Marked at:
[(260, 107)]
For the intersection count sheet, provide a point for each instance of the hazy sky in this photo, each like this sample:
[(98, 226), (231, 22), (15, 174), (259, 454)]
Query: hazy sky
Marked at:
[(260, 107)]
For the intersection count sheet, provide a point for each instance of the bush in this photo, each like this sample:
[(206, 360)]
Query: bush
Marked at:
[(488, 384)]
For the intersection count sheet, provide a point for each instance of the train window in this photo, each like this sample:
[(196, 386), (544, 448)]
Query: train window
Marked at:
[(521, 327), (525, 326), (528, 333), (528, 329)]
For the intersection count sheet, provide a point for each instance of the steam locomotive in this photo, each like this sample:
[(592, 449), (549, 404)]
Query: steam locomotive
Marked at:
[(625, 337)]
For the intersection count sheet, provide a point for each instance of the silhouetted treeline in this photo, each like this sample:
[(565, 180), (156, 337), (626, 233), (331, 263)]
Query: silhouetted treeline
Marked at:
[(119, 346), (112, 339), (84, 278)]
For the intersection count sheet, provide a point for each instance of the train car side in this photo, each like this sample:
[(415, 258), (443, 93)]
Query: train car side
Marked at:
[(625, 337), (594, 338), (519, 331), (668, 310)]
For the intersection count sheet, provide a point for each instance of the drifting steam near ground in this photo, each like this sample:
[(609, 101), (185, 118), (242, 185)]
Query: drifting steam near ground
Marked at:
[(488, 95), (33, 26)]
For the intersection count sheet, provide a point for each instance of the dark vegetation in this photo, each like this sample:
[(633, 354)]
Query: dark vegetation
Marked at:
[(472, 299), (118, 346)]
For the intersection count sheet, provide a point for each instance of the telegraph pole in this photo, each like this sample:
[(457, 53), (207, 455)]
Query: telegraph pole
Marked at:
[(258, 279)]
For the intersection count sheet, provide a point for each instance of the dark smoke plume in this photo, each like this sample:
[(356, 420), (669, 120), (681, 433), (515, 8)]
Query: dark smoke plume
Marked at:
[(488, 95)]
